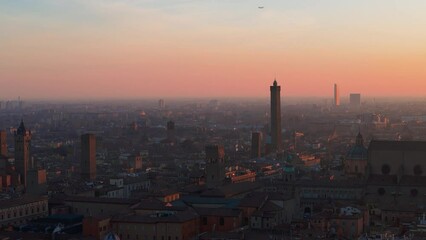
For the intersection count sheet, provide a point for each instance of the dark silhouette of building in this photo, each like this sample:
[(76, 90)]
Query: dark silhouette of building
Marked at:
[(88, 156), (215, 165), (3, 143), (336, 95), (22, 152), (161, 104), (170, 130), (396, 175), (355, 99), (256, 141), (275, 117)]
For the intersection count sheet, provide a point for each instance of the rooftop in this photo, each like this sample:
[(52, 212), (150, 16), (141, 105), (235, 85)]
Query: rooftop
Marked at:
[(21, 201), (167, 217)]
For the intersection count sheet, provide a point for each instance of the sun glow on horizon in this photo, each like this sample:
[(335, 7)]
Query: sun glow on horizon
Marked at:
[(146, 48)]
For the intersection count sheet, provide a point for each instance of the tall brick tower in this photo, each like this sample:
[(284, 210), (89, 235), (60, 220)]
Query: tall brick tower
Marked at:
[(275, 117)]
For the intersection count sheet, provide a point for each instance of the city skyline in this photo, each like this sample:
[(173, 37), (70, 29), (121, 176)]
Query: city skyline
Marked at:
[(133, 49), (212, 119)]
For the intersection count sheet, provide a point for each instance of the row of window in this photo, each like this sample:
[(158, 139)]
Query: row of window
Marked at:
[(417, 170), (125, 227), (326, 190), (221, 221), (413, 192), (20, 212), (128, 236)]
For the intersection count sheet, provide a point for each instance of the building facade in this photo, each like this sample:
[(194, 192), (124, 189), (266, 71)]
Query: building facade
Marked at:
[(355, 99), (21, 210), (3, 143), (256, 143), (88, 156), (215, 165)]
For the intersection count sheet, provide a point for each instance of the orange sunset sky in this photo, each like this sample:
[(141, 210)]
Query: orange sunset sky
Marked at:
[(52, 49)]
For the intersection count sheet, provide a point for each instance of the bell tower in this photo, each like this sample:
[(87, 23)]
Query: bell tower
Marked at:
[(22, 152), (215, 165)]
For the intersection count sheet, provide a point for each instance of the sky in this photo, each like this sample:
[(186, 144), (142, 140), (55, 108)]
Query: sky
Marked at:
[(81, 49)]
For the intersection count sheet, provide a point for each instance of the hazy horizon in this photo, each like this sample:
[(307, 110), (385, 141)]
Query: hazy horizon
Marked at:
[(266, 99)]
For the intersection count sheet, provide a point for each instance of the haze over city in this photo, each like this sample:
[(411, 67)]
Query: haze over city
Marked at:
[(134, 49), (212, 120)]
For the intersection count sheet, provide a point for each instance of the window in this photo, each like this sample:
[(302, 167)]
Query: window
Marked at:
[(381, 191), (204, 220), (221, 221), (414, 192)]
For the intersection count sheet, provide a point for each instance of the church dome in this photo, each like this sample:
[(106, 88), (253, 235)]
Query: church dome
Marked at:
[(111, 236), (358, 152), (288, 169)]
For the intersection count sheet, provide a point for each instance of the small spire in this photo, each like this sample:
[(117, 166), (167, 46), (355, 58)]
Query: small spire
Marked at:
[(21, 129), (275, 82)]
